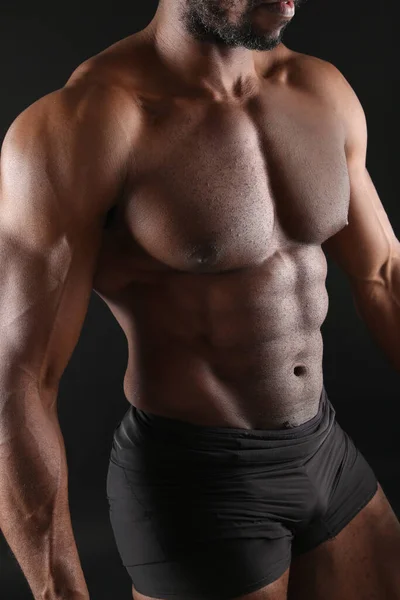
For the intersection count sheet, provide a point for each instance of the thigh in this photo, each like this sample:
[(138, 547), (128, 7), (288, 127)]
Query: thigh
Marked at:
[(360, 563), (274, 591), (218, 572)]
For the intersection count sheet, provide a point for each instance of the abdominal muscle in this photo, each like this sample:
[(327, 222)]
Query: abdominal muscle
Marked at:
[(237, 349)]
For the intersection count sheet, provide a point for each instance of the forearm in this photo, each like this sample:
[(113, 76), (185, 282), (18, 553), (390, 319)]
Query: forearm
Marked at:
[(34, 508), (378, 303)]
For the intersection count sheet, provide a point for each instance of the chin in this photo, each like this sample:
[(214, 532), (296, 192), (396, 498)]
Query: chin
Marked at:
[(263, 42)]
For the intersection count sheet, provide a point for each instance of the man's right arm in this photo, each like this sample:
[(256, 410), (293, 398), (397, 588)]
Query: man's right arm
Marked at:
[(63, 163)]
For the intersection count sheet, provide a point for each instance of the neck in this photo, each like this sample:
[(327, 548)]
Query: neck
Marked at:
[(217, 69)]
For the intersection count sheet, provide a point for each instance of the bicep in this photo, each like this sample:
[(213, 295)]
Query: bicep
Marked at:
[(365, 245), (43, 302), (50, 234)]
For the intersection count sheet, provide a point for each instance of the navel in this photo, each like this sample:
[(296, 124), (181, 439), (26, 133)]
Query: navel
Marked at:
[(300, 370)]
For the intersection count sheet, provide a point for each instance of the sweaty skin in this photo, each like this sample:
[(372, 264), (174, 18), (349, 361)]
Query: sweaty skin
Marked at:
[(195, 188), (211, 259)]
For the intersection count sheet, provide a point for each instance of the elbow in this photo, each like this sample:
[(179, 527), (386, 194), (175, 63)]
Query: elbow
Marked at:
[(379, 292), (386, 276)]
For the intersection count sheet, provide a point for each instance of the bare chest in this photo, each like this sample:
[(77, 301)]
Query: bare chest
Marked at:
[(214, 188)]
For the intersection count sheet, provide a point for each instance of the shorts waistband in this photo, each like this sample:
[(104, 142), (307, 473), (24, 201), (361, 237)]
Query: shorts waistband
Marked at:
[(158, 436), (183, 427)]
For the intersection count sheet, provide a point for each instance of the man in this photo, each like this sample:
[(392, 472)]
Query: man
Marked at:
[(193, 174)]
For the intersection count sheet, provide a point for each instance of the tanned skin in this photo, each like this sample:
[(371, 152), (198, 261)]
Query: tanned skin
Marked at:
[(196, 187)]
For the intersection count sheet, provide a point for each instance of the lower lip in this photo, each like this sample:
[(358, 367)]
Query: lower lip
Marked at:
[(285, 9)]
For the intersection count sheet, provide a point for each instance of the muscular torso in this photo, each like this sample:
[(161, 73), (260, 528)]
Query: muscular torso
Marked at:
[(211, 259)]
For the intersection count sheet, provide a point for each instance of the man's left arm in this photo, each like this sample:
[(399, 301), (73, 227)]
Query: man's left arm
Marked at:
[(367, 250)]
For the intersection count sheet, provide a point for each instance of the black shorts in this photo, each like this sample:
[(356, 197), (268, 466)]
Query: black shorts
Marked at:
[(204, 513)]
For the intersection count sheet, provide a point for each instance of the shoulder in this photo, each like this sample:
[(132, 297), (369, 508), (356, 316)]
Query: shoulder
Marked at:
[(96, 88), (89, 116), (75, 141), (324, 80), (115, 69), (85, 102)]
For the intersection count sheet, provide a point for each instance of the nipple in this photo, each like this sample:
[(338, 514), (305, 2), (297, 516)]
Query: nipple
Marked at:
[(204, 255)]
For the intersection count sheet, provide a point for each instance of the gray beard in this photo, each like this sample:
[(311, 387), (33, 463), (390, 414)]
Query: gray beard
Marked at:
[(207, 23)]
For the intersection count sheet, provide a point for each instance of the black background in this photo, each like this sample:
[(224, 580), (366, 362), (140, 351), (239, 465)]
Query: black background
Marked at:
[(38, 51)]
